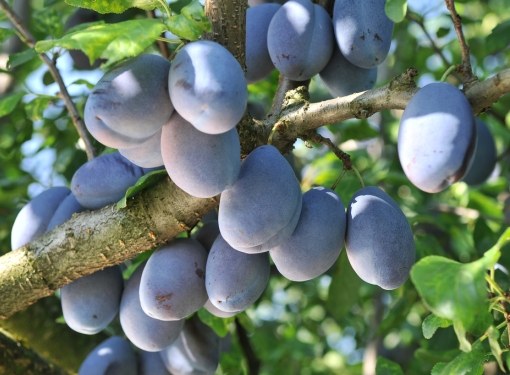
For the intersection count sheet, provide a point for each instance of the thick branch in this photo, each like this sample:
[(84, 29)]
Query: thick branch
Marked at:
[(92, 241), (228, 25), (394, 95), (29, 40)]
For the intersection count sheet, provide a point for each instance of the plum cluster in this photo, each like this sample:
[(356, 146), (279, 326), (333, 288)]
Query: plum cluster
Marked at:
[(181, 115), (301, 40)]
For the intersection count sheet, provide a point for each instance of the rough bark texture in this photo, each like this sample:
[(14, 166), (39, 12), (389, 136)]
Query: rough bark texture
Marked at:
[(94, 240), (228, 25)]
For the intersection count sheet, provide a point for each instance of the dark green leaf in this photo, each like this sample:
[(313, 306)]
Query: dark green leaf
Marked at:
[(442, 31), (499, 37), (5, 33), (357, 130), (386, 367), (114, 6), (431, 323), (144, 182), (9, 103), (17, 59), (465, 363), (396, 10), (112, 42), (344, 288)]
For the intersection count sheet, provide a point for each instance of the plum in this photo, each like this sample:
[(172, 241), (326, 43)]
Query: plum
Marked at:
[(317, 240), (437, 137), (363, 31), (207, 87), (378, 241), (300, 39), (130, 103)]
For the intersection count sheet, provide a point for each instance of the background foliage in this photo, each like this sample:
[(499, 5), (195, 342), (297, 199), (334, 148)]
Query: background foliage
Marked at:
[(443, 320)]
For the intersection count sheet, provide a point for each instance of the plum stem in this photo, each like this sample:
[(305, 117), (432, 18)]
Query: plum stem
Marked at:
[(27, 38)]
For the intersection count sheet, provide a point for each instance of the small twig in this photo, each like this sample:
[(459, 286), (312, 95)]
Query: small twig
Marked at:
[(314, 137), (249, 353), (465, 68), (419, 21), (29, 40)]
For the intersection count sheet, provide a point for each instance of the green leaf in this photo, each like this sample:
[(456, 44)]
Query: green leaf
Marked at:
[(9, 103), (17, 59), (36, 107), (191, 23), (497, 352), (503, 240), (114, 6), (357, 130), (112, 42), (465, 363), (386, 367), (144, 182), (499, 38), (456, 291), (5, 33), (220, 326), (396, 10), (431, 323), (344, 288)]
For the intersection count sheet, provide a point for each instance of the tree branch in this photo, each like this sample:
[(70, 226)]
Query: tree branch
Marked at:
[(228, 25), (95, 240), (251, 357), (29, 40), (418, 19), (465, 68)]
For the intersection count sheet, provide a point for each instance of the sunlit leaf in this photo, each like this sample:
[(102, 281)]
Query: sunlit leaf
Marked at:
[(396, 10), (220, 326), (114, 6), (112, 42), (191, 23), (456, 291)]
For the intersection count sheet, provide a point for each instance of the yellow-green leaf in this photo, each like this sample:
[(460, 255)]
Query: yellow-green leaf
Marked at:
[(112, 42), (114, 6)]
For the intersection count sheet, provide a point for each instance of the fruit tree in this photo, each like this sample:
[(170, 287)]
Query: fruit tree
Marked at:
[(254, 187)]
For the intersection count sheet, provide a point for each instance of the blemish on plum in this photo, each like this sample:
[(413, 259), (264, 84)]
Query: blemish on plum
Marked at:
[(184, 84)]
